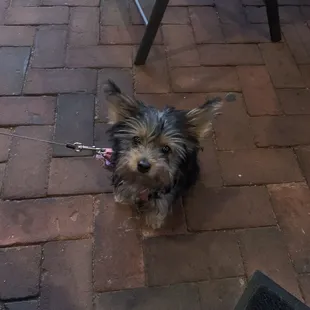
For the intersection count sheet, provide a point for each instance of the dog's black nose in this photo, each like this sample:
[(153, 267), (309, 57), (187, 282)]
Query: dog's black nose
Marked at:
[(144, 166)]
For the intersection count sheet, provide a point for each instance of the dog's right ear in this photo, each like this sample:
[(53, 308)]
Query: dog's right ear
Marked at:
[(120, 106)]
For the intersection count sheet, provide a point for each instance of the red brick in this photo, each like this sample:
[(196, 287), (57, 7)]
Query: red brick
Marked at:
[(37, 15), (84, 26), (176, 15), (294, 101), (305, 10), (55, 218), (204, 79), (27, 170), (3, 6), (15, 3), (297, 37), (258, 91), (305, 71), (230, 11), (226, 208), (100, 56), (190, 2), (259, 166), (181, 50), (20, 272), (232, 127), (304, 281), (51, 81), (23, 305), (288, 14), (209, 167), (101, 138), (27, 111), (74, 120), (281, 130), (5, 142), (72, 2), (181, 297), (221, 294), (235, 33), (78, 176), (14, 62), (16, 35), (303, 154), (114, 233), (129, 34), (122, 77), (211, 255), (281, 66), (153, 76), (291, 203), (229, 54), (264, 249), (206, 25), (50, 48), (114, 13), (66, 263), (183, 101)]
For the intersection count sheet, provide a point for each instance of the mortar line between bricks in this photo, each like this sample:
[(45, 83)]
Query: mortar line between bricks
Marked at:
[(96, 203), (28, 298), (229, 229), (54, 196), (42, 243), (300, 166), (197, 282), (52, 146), (143, 249), (262, 184), (41, 274), (191, 233), (241, 255), (29, 60)]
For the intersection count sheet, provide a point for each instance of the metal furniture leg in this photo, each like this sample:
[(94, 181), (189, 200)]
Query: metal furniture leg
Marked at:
[(152, 26), (273, 20)]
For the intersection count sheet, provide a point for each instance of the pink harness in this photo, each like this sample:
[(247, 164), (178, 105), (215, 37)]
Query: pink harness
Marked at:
[(105, 157)]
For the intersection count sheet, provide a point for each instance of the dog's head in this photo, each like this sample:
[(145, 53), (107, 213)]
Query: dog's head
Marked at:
[(149, 144)]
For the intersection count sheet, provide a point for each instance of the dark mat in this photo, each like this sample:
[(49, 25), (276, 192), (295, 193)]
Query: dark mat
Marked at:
[(262, 293)]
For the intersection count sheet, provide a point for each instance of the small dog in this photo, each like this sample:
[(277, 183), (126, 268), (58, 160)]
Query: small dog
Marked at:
[(155, 153)]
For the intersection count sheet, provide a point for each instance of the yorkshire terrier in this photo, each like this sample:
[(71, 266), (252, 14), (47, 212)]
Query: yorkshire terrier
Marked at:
[(155, 152)]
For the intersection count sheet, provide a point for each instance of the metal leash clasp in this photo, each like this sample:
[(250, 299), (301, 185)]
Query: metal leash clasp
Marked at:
[(78, 147)]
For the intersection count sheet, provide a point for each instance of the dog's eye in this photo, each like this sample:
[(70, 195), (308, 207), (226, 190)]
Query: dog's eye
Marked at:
[(136, 140), (166, 149)]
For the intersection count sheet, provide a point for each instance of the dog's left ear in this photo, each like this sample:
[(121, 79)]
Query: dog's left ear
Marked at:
[(200, 119), (120, 106)]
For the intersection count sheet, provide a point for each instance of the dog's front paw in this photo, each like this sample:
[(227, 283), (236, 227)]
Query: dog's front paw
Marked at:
[(155, 220)]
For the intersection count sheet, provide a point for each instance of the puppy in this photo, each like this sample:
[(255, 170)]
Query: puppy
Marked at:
[(155, 152)]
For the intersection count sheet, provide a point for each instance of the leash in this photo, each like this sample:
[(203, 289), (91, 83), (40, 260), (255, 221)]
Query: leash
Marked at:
[(102, 154)]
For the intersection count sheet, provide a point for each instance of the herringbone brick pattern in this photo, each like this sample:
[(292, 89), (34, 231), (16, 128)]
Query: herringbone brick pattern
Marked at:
[(63, 243)]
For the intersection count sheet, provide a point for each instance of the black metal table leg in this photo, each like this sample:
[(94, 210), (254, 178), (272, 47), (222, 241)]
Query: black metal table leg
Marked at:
[(151, 31), (273, 20)]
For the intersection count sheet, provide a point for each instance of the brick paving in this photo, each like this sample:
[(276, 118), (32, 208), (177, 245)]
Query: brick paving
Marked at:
[(63, 243)]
